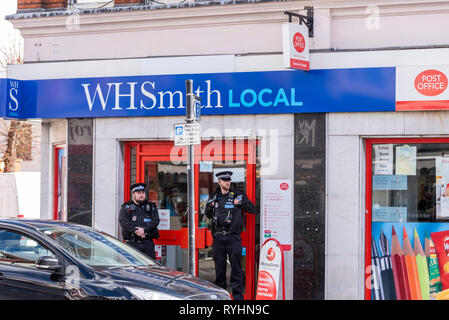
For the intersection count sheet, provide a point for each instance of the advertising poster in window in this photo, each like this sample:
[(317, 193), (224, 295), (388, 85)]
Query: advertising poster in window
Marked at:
[(410, 261), (408, 251), (442, 187), (383, 157), (406, 160)]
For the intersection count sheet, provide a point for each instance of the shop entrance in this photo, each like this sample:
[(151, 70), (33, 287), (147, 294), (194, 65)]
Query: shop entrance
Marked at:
[(163, 167), (407, 217)]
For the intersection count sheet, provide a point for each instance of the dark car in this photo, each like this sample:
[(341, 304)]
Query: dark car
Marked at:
[(59, 260)]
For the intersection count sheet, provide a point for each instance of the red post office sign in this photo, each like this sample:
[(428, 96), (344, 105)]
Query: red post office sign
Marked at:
[(422, 88)]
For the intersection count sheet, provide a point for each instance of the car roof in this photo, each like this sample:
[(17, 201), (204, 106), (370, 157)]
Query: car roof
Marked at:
[(37, 223)]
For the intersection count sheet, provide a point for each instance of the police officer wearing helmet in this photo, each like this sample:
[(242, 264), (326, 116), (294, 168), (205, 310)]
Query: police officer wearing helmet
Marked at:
[(139, 219), (225, 208)]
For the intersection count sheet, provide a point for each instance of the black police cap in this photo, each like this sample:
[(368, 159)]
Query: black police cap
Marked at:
[(138, 187), (224, 175)]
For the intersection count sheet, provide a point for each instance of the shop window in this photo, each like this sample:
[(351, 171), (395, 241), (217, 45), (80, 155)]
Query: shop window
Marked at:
[(408, 219), (19, 250)]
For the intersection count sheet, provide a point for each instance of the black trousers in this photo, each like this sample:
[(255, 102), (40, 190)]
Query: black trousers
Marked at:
[(146, 247), (224, 246)]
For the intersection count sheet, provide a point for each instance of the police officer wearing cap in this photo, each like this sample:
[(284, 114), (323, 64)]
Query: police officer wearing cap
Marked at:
[(139, 219), (225, 208)]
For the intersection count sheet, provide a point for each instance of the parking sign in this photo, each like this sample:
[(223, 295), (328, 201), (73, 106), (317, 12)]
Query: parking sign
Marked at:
[(187, 134)]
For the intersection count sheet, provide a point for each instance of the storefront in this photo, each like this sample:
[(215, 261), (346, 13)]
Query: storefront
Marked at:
[(406, 197), (162, 166), (324, 131), (406, 203)]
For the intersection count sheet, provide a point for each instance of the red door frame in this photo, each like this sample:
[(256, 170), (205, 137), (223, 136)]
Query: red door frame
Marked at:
[(56, 149), (237, 150), (368, 195)]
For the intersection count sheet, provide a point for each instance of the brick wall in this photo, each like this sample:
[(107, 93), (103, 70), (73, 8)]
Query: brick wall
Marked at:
[(29, 4), (52, 4), (40, 4), (123, 2)]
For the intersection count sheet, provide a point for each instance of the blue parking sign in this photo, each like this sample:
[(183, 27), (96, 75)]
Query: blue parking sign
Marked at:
[(179, 130)]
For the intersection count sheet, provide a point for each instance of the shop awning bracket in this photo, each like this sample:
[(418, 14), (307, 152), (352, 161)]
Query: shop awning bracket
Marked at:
[(307, 20)]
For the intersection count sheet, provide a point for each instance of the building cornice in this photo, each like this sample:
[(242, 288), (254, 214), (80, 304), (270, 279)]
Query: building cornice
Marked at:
[(204, 14)]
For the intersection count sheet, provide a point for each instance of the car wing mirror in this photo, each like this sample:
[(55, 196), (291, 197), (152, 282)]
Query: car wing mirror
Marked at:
[(48, 263)]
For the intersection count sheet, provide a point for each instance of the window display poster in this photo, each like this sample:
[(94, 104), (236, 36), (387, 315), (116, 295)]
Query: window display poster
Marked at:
[(206, 166), (383, 155), (203, 202), (409, 261), (389, 182), (164, 219), (406, 160), (276, 205), (391, 214), (442, 187)]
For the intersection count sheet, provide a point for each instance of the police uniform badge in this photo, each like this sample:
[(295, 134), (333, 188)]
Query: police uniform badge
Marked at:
[(134, 218)]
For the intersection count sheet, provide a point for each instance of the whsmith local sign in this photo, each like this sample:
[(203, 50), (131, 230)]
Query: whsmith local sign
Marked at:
[(330, 90)]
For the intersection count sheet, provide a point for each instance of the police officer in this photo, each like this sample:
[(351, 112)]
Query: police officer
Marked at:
[(139, 219), (225, 208)]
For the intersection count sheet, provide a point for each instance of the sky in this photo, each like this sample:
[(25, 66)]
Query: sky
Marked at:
[(7, 7)]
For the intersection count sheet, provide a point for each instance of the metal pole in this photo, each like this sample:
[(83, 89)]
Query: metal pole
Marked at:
[(191, 182)]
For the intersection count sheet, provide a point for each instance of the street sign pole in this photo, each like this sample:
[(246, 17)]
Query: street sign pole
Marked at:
[(192, 115)]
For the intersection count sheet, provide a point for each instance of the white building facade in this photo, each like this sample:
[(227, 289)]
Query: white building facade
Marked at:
[(330, 253)]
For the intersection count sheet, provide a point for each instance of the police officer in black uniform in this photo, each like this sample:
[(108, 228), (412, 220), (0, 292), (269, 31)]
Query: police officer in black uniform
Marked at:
[(139, 219), (225, 208)]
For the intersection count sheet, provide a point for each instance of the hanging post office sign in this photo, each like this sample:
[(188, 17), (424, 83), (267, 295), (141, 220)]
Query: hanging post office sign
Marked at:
[(295, 42)]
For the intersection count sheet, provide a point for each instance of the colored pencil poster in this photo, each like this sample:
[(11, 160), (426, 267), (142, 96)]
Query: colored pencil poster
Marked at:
[(413, 276)]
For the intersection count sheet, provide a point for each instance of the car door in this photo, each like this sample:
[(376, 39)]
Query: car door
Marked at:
[(19, 277)]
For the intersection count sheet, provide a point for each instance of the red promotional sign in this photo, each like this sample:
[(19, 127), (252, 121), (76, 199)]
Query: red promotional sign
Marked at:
[(266, 289), (284, 186), (298, 42), (271, 271), (431, 82), (271, 254)]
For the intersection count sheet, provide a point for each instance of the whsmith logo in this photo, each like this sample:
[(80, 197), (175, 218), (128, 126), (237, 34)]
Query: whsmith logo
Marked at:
[(13, 103), (147, 95)]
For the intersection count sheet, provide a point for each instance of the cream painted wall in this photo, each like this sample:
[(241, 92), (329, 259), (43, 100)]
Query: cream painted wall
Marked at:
[(53, 132), (252, 28)]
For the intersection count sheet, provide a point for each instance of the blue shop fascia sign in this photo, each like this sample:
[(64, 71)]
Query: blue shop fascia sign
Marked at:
[(329, 90)]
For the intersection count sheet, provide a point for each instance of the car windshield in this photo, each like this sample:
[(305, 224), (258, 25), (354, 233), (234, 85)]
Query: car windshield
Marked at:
[(96, 249)]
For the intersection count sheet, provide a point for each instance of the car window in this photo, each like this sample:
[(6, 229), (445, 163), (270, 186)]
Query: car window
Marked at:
[(96, 249), (18, 249)]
